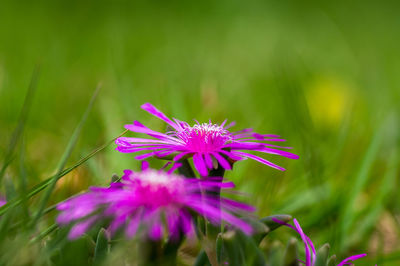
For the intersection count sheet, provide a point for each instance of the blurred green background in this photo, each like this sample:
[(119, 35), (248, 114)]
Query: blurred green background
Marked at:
[(324, 75)]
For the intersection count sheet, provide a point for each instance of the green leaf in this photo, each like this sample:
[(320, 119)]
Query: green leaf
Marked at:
[(331, 261), (202, 259), (115, 178), (272, 225), (291, 256), (233, 252), (102, 246), (219, 247), (274, 253), (267, 225), (240, 249), (260, 230), (322, 255)]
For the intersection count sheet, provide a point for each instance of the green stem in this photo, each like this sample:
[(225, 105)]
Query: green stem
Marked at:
[(219, 172), (186, 169), (212, 231)]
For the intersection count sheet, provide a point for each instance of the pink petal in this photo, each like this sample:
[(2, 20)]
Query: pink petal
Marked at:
[(154, 111), (261, 160), (199, 164)]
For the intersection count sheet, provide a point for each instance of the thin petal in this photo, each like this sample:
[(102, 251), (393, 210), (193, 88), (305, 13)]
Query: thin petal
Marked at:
[(174, 167), (306, 244), (132, 226), (155, 232), (173, 224), (180, 155), (231, 124), (154, 111), (264, 136), (117, 223), (279, 152), (261, 160), (222, 161), (199, 164), (145, 165), (244, 145), (213, 214), (222, 124), (151, 133), (186, 222), (231, 155), (351, 258), (80, 228), (127, 174), (208, 160), (136, 140)]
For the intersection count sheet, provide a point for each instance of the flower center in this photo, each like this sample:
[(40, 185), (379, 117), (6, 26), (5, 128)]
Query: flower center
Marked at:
[(156, 189), (204, 137)]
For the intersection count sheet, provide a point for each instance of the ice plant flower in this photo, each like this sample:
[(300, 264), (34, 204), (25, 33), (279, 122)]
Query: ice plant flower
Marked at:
[(207, 143), (308, 245), (153, 201)]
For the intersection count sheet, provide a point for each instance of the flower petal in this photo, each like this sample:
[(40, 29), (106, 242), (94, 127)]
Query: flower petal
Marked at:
[(222, 161), (199, 164), (259, 159), (154, 111)]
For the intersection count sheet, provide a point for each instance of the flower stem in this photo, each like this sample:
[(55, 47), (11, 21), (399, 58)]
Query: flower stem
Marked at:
[(186, 169), (212, 231)]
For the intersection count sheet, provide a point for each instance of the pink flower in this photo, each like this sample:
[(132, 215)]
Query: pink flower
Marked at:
[(207, 143), (152, 201), (308, 245)]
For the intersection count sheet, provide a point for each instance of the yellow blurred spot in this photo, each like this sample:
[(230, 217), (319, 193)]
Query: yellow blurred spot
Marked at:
[(74, 182), (328, 99)]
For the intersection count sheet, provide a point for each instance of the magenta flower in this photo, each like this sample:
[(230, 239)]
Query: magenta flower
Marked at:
[(157, 202), (207, 143), (308, 245)]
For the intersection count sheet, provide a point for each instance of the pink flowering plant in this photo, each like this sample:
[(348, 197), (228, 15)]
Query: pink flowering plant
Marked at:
[(168, 206), (188, 204)]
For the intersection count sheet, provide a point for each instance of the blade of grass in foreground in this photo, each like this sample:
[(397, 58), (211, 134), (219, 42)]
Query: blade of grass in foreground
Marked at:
[(22, 183), (45, 233), (23, 117), (380, 199), (36, 189), (360, 181), (67, 153)]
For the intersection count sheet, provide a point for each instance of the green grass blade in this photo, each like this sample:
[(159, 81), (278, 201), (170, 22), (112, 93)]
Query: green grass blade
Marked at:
[(360, 181), (39, 187), (22, 184), (67, 153), (23, 117), (379, 201), (45, 233)]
